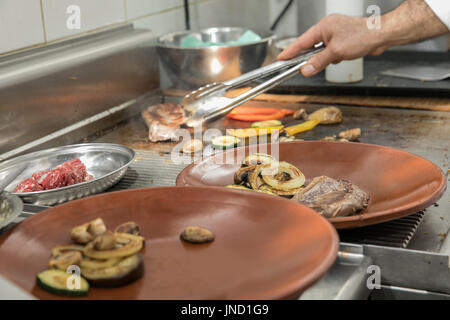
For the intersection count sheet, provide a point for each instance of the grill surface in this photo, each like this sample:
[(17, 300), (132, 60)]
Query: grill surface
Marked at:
[(396, 233), (420, 132)]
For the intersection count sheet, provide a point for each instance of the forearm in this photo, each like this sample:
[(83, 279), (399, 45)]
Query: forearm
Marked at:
[(411, 22)]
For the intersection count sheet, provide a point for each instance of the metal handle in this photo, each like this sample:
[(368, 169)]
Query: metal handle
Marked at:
[(274, 67), (263, 87)]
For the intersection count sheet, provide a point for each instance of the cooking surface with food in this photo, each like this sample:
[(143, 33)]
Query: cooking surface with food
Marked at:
[(329, 197)]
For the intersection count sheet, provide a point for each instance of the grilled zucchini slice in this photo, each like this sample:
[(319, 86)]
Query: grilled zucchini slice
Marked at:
[(55, 281)]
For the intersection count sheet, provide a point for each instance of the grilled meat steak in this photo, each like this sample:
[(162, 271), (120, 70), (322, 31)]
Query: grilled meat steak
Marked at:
[(333, 198), (163, 121)]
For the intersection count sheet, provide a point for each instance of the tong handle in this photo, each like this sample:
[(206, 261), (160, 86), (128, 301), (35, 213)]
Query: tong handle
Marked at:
[(273, 67), (263, 87)]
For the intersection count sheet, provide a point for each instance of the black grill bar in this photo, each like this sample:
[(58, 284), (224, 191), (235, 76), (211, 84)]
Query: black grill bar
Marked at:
[(396, 233)]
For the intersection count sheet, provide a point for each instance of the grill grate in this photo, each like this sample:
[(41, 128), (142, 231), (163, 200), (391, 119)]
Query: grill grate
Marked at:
[(396, 233)]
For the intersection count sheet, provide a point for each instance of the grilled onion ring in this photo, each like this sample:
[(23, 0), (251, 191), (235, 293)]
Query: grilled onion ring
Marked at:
[(131, 245), (258, 159), (295, 180)]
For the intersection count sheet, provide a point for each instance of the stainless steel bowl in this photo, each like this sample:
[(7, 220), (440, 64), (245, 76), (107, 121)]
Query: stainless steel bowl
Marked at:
[(200, 66), (10, 208), (106, 162)]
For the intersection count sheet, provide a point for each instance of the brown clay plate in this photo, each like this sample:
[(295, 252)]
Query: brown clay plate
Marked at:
[(399, 183), (265, 247)]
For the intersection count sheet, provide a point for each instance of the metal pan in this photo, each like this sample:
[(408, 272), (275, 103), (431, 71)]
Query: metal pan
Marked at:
[(107, 163), (10, 208)]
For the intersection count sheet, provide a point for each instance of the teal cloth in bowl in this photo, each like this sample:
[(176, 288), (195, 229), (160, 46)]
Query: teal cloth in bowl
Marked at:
[(192, 41)]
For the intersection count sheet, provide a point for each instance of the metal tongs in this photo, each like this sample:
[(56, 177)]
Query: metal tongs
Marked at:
[(209, 102)]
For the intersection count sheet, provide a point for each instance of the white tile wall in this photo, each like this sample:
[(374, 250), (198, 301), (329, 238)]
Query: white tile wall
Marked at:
[(94, 14), (20, 24), (140, 8), (164, 22), (25, 23)]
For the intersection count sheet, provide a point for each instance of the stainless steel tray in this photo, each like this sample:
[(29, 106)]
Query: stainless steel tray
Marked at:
[(10, 208), (107, 163)]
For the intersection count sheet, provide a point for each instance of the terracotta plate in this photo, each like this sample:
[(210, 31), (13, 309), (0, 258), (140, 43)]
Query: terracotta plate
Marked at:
[(399, 183), (265, 247)]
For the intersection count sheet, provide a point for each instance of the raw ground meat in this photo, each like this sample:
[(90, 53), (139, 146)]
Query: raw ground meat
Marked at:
[(66, 174)]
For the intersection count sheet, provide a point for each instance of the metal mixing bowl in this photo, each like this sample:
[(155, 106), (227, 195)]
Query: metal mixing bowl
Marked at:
[(199, 66)]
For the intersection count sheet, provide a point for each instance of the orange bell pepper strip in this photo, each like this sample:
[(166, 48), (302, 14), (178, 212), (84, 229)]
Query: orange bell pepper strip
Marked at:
[(258, 113), (258, 117), (302, 127), (252, 132), (253, 110)]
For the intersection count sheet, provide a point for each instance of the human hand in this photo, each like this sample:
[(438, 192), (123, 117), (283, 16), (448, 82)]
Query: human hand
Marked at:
[(346, 38)]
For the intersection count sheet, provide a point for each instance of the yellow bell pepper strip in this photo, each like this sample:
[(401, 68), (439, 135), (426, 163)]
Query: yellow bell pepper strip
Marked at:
[(252, 132), (302, 127)]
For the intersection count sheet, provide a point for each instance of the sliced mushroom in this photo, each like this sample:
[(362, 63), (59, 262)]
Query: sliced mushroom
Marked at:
[(64, 260), (88, 231), (329, 138), (97, 227), (128, 227), (241, 176), (192, 146), (350, 135), (300, 114), (195, 234), (105, 241), (81, 235), (329, 115), (255, 178)]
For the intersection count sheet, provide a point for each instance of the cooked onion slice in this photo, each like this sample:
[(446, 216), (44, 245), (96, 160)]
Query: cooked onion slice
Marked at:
[(268, 189), (285, 178), (255, 179), (258, 159), (126, 245)]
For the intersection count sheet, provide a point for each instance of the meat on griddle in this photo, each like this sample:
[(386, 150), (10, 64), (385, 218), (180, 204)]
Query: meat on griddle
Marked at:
[(333, 198), (163, 121)]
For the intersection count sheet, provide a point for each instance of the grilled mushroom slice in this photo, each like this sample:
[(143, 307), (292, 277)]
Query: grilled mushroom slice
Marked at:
[(64, 260), (350, 135), (88, 231), (329, 115), (97, 227), (241, 176), (195, 234), (105, 241), (255, 178), (128, 227)]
